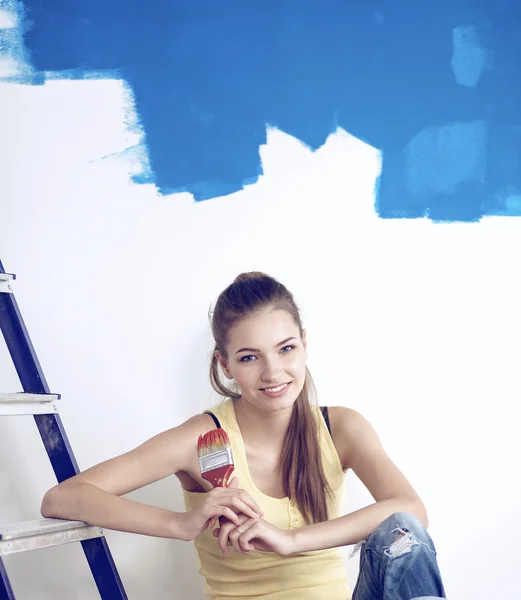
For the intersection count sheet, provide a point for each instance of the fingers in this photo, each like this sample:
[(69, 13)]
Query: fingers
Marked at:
[(216, 532), (212, 522), (239, 499), (238, 537), (234, 539), (223, 533), (215, 512), (229, 505), (245, 533), (229, 514), (243, 499), (229, 535), (242, 507)]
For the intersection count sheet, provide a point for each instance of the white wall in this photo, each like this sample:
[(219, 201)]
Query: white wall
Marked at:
[(415, 325)]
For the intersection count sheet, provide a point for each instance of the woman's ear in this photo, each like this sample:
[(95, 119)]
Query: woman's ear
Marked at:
[(224, 364), (305, 341)]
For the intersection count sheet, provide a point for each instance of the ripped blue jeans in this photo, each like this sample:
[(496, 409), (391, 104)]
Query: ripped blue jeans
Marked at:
[(398, 562)]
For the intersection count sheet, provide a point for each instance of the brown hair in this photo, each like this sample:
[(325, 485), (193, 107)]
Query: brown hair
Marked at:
[(300, 461)]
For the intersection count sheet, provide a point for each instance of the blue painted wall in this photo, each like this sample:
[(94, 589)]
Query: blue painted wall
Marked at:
[(435, 85)]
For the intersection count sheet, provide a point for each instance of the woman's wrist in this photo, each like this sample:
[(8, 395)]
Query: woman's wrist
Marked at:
[(310, 538), (296, 540), (178, 526)]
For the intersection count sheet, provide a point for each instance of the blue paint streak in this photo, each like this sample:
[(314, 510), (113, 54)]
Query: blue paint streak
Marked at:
[(470, 56), (513, 203), (12, 45), (449, 161), (208, 76)]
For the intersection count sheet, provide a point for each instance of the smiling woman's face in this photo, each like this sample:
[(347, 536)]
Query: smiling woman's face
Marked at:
[(265, 352)]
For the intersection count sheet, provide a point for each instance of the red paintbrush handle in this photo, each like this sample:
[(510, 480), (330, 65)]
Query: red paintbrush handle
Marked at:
[(219, 477)]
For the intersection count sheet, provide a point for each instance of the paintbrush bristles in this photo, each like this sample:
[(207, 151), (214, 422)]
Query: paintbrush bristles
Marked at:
[(213, 441)]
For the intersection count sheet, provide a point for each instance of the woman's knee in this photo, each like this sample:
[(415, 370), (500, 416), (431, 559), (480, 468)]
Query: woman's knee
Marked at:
[(407, 521), (398, 534), (408, 532)]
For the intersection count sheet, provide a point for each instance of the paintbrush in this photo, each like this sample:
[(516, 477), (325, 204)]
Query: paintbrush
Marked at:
[(215, 457)]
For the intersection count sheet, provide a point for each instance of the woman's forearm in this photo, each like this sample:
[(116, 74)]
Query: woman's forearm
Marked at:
[(354, 527), (85, 502)]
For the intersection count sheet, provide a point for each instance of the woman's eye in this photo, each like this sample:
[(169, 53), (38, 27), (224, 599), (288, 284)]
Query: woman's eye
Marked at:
[(290, 348), (245, 358)]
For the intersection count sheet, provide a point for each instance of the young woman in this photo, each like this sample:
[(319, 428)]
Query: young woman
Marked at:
[(275, 531)]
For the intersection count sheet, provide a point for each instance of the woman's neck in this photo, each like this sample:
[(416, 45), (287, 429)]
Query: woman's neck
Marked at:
[(261, 428)]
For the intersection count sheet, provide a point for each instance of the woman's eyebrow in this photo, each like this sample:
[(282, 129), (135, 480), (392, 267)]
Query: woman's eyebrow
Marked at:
[(257, 350)]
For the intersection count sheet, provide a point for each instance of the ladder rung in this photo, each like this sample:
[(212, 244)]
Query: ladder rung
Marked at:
[(23, 397), (5, 283), (28, 404), (42, 533)]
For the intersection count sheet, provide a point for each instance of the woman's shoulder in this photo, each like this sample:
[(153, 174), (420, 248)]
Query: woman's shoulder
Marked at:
[(182, 438), (343, 415), (206, 419), (347, 425), (181, 441), (347, 421)]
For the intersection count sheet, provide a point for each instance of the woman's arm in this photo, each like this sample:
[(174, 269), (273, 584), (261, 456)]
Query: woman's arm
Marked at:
[(360, 449), (94, 496), (351, 528)]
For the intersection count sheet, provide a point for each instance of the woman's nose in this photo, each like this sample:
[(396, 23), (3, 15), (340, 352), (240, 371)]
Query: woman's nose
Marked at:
[(272, 370)]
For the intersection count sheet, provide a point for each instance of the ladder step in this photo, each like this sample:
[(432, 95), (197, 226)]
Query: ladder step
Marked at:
[(5, 285), (28, 404), (42, 533)]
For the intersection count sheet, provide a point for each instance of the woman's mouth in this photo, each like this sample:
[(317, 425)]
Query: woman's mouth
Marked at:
[(275, 391)]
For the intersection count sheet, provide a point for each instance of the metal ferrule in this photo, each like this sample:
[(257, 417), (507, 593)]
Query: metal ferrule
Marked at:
[(222, 458)]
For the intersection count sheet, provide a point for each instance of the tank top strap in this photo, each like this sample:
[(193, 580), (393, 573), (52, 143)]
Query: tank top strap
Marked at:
[(325, 413), (215, 419)]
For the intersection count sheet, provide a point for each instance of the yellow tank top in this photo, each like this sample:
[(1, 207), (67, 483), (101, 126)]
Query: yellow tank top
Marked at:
[(318, 575)]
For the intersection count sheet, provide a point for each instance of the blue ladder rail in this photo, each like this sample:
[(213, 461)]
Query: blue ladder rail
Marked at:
[(56, 444)]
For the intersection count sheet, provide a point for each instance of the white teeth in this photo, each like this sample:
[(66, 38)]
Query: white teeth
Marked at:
[(276, 389)]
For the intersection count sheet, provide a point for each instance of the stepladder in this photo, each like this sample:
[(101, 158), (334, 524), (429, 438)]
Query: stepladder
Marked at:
[(38, 402)]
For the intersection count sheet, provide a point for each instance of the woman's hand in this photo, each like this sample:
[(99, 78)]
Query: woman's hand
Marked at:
[(254, 534), (223, 534), (226, 502)]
